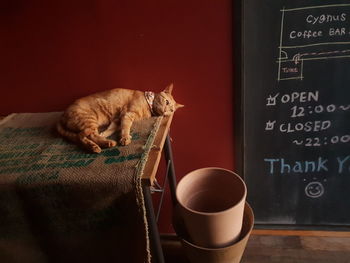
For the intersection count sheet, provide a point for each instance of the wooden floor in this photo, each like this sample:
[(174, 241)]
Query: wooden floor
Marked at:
[(290, 248)]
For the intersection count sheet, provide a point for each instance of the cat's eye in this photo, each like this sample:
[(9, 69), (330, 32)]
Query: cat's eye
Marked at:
[(166, 102)]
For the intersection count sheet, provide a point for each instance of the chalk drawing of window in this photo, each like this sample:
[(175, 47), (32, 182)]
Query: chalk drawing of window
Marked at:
[(313, 33)]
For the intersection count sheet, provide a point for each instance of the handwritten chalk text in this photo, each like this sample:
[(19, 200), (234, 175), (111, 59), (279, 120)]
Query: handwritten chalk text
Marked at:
[(325, 18), (320, 164)]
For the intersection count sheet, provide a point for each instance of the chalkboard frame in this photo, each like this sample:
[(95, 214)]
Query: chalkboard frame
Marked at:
[(238, 99), (239, 121)]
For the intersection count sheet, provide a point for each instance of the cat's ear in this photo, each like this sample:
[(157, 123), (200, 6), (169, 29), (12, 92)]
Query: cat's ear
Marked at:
[(179, 105), (169, 89)]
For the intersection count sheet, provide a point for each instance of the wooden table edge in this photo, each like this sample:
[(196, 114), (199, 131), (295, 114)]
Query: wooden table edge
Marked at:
[(151, 166)]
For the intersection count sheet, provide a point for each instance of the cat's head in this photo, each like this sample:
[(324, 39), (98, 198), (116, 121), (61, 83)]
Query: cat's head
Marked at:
[(164, 103)]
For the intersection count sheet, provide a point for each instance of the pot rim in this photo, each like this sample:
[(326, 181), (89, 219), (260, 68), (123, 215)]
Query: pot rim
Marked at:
[(213, 213)]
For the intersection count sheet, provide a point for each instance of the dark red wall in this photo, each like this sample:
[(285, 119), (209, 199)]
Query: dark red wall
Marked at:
[(55, 51)]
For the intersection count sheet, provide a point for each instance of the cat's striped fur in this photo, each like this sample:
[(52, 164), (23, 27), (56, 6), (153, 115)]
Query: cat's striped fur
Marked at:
[(115, 109)]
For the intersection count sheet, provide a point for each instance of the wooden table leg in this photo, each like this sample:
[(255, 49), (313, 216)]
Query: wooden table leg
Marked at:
[(171, 172), (156, 246)]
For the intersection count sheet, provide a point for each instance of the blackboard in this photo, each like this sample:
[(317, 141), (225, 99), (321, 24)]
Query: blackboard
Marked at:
[(296, 111)]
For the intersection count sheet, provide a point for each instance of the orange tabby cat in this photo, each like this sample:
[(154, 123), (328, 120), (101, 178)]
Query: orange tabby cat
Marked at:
[(81, 121)]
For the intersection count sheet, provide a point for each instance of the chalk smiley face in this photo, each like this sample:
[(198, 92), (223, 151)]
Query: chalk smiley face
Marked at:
[(314, 189)]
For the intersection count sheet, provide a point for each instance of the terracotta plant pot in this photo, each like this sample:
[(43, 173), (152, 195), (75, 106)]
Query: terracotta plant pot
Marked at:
[(229, 254), (211, 202)]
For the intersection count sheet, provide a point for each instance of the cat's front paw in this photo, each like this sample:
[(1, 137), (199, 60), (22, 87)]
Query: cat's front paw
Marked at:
[(111, 143), (95, 149), (125, 140)]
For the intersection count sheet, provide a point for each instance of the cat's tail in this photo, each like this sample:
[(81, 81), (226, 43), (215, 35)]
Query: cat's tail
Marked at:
[(66, 133)]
